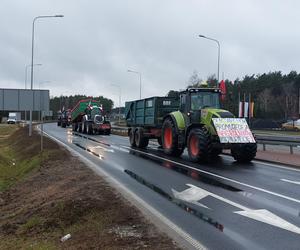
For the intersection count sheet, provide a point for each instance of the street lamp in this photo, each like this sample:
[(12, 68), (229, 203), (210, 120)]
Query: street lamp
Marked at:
[(120, 92), (32, 50), (139, 73), (215, 40)]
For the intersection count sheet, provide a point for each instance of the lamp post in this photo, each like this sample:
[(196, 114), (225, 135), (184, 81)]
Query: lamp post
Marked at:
[(215, 40), (32, 50), (120, 92), (26, 70), (139, 73)]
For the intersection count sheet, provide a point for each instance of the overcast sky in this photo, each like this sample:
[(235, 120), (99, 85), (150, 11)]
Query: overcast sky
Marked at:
[(97, 41)]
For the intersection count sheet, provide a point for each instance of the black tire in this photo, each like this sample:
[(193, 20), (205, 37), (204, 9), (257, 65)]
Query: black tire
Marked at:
[(84, 127), (170, 139), (74, 126), (131, 137), (140, 140), (89, 128), (199, 145), (58, 123), (159, 141), (80, 127), (63, 124), (244, 152)]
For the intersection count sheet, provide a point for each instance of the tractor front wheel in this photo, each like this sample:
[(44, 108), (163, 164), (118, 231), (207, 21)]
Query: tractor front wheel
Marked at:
[(199, 145), (244, 152)]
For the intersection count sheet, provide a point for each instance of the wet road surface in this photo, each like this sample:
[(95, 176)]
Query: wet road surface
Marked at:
[(223, 205)]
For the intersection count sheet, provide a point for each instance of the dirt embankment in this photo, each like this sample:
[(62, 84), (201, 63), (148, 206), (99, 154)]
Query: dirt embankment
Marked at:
[(60, 195)]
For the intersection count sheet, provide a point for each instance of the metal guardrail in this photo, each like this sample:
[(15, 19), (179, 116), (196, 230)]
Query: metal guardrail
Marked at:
[(278, 140), (261, 139)]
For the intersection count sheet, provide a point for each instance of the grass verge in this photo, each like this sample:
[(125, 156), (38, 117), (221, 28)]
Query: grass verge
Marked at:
[(45, 197)]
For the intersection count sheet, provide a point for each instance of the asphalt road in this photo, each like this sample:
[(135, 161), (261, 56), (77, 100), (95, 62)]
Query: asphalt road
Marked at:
[(223, 205)]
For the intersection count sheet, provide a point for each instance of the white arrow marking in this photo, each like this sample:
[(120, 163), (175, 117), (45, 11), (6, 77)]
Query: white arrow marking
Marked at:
[(294, 182), (105, 149), (193, 194)]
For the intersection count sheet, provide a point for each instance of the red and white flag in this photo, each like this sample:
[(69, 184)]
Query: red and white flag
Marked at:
[(222, 87), (241, 109)]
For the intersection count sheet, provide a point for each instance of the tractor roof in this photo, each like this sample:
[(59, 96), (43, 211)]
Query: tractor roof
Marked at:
[(216, 90)]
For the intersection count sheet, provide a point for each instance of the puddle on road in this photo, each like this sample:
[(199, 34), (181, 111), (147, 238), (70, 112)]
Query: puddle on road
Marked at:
[(100, 156), (175, 201), (91, 139), (173, 166)]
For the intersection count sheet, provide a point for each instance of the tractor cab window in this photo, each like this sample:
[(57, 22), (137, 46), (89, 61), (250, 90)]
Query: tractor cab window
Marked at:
[(200, 100)]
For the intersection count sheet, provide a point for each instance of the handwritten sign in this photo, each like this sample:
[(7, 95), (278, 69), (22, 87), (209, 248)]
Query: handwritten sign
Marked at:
[(233, 130)]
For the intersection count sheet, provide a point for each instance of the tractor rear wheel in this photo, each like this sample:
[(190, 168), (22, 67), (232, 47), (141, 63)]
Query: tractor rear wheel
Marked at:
[(199, 145), (131, 137), (244, 152), (140, 140), (170, 138)]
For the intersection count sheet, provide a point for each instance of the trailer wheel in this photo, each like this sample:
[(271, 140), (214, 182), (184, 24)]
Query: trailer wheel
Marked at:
[(84, 125), (80, 127), (140, 140), (74, 126), (244, 152), (131, 137), (199, 145), (170, 138), (89, 128)]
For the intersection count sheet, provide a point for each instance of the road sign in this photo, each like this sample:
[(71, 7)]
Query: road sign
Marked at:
[(24, 99)]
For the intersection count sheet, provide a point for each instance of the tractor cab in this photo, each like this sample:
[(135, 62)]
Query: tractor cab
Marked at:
[(194, 100)]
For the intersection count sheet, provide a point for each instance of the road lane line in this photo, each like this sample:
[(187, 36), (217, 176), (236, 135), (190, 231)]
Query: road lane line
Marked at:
[(194, 194), (218, 176), (118, 185), (294, 182)]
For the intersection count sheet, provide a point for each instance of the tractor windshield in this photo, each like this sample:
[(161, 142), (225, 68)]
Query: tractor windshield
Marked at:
[(200, 100)]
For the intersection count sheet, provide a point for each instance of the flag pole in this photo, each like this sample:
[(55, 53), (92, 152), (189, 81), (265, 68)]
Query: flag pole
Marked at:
[(249, 108)]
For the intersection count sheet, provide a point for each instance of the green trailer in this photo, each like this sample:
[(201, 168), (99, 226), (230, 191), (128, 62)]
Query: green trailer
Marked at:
[(194, 121), (87, 117), (149, 112)]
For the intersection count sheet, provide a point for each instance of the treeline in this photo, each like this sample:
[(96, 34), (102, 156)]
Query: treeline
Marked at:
[(68, 102), (275, 95)]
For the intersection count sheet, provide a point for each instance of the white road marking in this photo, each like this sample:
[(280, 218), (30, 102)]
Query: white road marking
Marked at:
[(218, 176), (194, 194), (105, 149), (118, 185), (294, 182)]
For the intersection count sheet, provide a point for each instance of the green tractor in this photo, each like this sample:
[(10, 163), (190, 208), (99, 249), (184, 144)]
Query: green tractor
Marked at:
[(194, 121)]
